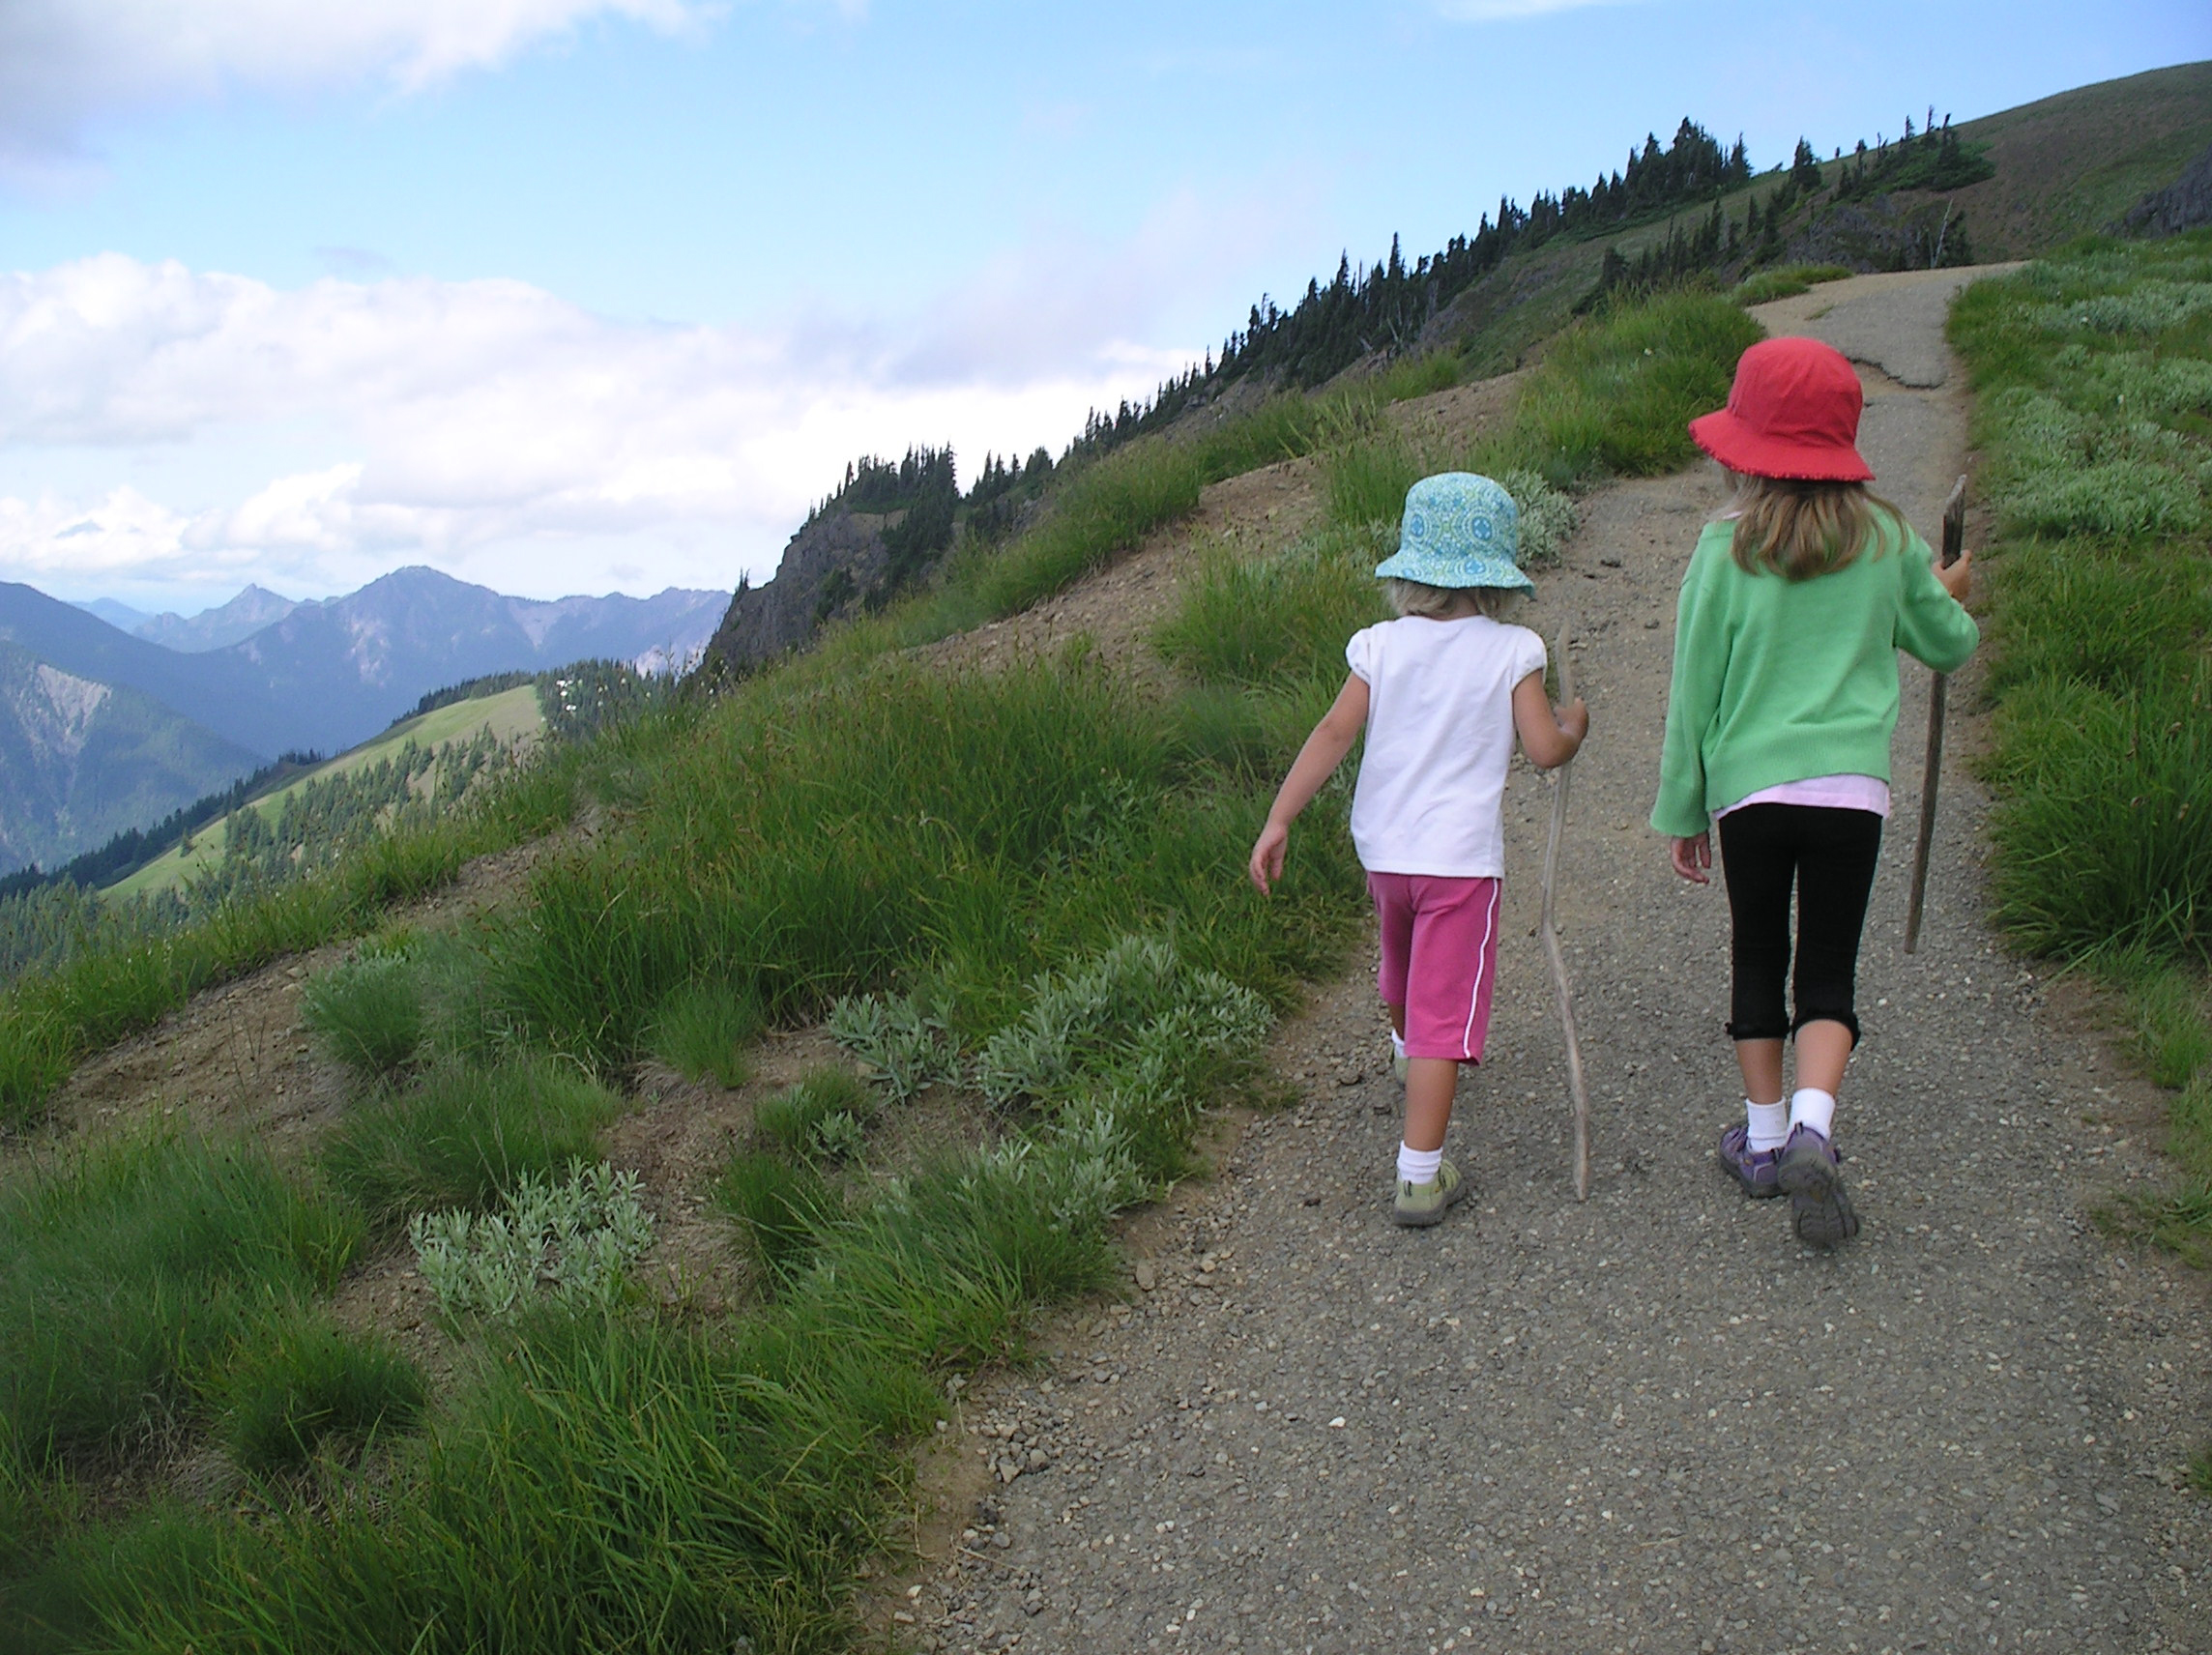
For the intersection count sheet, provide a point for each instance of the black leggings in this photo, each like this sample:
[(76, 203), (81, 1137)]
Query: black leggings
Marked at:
[(1829, 855)]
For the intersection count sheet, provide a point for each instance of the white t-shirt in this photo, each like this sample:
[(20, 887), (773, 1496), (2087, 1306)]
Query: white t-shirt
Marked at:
[(1440, 731)]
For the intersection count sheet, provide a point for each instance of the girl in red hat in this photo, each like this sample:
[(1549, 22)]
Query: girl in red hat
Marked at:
[(1785, 694)]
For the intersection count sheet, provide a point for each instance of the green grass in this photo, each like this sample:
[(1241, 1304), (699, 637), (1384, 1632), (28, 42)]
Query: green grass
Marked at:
[(962, 828), (511, 715), (368, 1012), (1783, 282), (1614, 396), (701, 1030), (50, 1020), (781, 1206), (794, 1121), (462, 1136), (2093, 373), (305, 1385), (132, 1272)]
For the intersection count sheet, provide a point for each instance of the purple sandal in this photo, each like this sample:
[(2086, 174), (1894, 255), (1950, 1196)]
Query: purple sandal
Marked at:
[(1757, 1170)]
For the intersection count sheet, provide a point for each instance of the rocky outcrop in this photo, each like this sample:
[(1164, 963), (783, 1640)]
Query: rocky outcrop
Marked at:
[(831, 566), (2182, 205)]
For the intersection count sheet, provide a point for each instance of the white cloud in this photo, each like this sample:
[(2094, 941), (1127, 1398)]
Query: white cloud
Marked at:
[(499, 432), (65, 62)]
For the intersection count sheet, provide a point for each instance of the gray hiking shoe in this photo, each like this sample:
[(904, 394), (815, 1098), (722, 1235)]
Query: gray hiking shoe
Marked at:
[(1810, 1176), (1426, 1203)]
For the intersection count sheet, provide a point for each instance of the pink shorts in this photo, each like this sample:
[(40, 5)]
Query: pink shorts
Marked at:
[(1439, 957)]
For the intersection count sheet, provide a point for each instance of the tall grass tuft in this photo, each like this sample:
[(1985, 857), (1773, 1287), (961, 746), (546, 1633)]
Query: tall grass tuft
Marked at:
[(783, 1206), (703, 1030), (368, 1012), (303, 1384), (463, 1136), (130, 1272)]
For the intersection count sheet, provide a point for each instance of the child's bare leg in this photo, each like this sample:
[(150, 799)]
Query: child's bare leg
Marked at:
[(1429, 1086), (1761, 1063), (1397, 1019), (1823, 1049)]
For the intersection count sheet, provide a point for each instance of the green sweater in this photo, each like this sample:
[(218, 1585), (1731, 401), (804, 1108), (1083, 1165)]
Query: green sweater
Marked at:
[(1779, 680)]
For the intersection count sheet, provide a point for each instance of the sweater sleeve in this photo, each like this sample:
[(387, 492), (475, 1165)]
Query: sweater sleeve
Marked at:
[(1701, 664), (1933, 626)]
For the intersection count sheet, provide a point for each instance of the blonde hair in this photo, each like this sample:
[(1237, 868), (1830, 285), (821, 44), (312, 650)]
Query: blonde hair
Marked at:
[(1800, 530), (1449, 602)]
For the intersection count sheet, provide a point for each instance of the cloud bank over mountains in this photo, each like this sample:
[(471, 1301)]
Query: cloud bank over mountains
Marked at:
[(492, 427)]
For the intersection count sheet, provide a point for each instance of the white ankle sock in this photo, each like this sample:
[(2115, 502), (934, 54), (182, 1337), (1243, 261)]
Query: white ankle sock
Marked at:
[(1418, 1166), (1815, 1108), (1767, 1123), (1397, 1044)]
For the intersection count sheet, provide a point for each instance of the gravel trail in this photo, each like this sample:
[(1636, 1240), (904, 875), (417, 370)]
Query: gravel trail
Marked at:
[(1652, 1421)]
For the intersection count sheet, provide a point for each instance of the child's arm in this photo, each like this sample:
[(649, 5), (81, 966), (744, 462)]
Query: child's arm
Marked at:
[(1316, 763), (1550, 734)]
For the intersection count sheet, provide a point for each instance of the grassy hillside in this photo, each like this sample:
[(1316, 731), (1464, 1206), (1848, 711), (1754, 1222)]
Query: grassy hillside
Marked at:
[(512, 718), (2070, 165), (1021, 888), (2066, 166)]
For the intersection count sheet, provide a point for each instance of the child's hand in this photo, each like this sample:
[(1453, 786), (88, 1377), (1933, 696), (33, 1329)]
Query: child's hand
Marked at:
[(1574, 719), (1691, 858), (1267, 865), (1959, 577)]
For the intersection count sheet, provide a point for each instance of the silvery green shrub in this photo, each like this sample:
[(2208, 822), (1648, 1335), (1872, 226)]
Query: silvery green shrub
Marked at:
[(906, 1047), (574, 1239)]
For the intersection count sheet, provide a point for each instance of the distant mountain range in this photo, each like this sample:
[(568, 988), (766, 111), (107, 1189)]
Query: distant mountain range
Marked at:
[(82, 761), (104, 726)]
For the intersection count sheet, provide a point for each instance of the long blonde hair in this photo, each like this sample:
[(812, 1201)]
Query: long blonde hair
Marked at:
[(1802, 530)]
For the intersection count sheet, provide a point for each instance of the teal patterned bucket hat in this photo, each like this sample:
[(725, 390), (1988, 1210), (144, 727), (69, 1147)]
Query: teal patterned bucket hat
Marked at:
[(1459, 530)]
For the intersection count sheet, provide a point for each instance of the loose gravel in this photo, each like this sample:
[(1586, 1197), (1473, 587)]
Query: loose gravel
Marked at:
[(1651, 1421)]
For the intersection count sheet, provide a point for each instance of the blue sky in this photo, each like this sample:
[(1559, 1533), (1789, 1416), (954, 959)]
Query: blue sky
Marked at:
[(588, 295)]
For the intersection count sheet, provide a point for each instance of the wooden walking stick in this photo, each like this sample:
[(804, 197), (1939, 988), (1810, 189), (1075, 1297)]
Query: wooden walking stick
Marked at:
[(1953, 543), (1576, 1090)]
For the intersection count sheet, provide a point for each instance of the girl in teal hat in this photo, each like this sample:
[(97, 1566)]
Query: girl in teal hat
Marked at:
[(1441, 692)]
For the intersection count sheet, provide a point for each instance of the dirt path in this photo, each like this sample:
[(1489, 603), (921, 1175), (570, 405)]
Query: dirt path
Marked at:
[(1650, 1422)]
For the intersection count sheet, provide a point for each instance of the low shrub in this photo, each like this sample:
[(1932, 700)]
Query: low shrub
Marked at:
[(464, 1136), (574, 1237), (904, 1045)]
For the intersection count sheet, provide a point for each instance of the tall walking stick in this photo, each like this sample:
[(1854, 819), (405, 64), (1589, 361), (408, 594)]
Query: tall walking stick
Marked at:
[(1576, 1090), (1954, 543)]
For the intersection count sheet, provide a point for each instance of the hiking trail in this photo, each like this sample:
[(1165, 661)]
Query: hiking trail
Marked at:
[(1651, 1422)]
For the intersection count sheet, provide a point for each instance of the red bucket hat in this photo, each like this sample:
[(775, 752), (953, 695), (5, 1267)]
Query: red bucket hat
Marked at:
[(1793, 411)]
